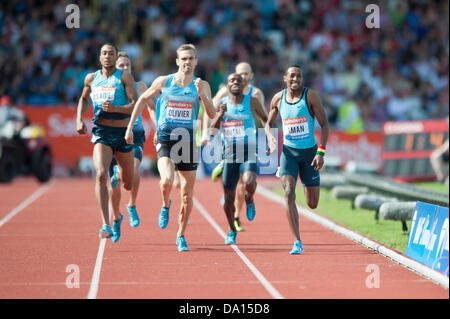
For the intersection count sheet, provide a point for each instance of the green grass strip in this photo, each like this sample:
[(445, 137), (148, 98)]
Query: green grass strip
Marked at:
[(387, 232)]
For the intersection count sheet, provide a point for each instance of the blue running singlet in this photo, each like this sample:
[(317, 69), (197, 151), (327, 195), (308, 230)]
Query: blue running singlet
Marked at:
[(238, 128), (298, 124), (177, 107), (112, 89)]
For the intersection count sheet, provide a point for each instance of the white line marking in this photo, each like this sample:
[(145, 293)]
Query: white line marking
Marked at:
[(97, 269), (95, 281), (407, 262), (271, 289), (38, 193)]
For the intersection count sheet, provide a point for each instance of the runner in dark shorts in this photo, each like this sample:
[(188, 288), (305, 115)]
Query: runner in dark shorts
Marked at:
[(298, 107), (235, 118)]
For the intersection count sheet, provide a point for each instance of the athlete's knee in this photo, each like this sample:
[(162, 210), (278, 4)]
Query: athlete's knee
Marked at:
[(250, 186), (128, 186), (165, 183), (289, 193), (101, 175), (312, 201), (186, 199)]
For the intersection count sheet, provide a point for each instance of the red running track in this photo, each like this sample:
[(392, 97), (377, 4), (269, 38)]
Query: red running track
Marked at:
[(46, 228)]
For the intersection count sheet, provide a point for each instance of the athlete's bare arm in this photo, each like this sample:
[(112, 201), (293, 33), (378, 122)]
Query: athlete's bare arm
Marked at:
[(321, 116), (145, 99), (219, 96), (151, 107), (130, 91), (257, 93), (83, 103), (204, 93), (259, 110), (273, 113), (215, 123)]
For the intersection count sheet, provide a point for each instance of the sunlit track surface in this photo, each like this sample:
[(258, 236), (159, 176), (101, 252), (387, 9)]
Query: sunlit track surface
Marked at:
[(49, 250)]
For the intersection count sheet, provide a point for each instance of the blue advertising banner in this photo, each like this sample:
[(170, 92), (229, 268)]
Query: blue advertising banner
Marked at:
[(428, 239)]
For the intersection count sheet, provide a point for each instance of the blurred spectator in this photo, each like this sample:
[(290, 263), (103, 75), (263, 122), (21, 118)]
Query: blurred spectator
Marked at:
[(400, 68)]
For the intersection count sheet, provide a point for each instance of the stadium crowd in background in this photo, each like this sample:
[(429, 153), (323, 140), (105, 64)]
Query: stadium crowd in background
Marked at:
[(364, 76)]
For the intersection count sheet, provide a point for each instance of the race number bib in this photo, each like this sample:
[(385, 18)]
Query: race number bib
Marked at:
[(101, 94), (296, 127), (233, 129), (179, 112)]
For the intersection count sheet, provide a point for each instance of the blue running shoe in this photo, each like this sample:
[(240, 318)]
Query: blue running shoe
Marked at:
[(164, 216), (116, 229), (105, 232), (251, 211), (181, 243), (114, 181), (297, 249), (231, 238), (134, 218)]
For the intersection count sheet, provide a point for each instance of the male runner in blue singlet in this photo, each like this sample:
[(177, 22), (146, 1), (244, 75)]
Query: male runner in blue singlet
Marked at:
[(176, 114), (124, 63), (244, 69), (298, 107), (235, 117), (113, 95)]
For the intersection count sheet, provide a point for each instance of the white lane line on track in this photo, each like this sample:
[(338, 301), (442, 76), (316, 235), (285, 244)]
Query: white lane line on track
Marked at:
[(38, 193), (95, 281), (405, 261), (271, 289), (93, 289)]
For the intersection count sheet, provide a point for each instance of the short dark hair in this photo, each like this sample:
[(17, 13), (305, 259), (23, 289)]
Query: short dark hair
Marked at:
[(112, 45), (294, 66)]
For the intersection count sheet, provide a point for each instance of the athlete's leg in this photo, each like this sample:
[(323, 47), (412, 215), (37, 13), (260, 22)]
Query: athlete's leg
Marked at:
[(249, 181), (136, 182), (166, 170), (102, 156), (229, 207), (240, 197), (114, 197), (288, 182), (176, 179), (312, 195), (115, 193), (187, 181), (125, 160)]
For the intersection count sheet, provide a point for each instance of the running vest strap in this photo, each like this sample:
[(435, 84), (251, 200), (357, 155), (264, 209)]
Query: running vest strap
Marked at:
[(112, 89), (298, 124), (177, 107)]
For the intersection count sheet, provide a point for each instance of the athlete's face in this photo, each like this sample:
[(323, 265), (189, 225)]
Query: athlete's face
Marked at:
[(235, 83), (108, 56), (293, 78), (245, 72), (186, 61), (123, 63)]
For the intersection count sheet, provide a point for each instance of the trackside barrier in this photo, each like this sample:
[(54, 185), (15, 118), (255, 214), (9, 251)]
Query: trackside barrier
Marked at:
[(428, 239), (404, 192)]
